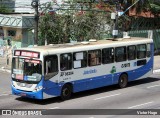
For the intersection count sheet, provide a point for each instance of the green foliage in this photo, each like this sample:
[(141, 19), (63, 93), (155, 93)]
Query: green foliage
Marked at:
[(155, 8), (4, 9), (79, 24), (146, 5)]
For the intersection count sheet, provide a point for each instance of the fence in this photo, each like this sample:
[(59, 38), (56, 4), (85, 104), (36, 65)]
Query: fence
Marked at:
[(144, 33)]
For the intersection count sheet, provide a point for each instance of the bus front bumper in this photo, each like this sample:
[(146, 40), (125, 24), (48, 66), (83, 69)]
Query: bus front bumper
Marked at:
[(34, 95)]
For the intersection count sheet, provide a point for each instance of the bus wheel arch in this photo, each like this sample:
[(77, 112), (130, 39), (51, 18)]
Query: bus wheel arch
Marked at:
[(123, 80), (66, 91)]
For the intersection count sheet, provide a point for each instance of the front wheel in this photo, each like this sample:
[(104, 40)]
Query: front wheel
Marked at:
[(66, 92), (123, 80)]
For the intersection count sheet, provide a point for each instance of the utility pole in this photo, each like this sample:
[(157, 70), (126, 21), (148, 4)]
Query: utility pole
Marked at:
[(115, 26), (34, 4)]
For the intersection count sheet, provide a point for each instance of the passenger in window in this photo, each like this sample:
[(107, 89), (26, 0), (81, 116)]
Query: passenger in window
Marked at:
[(63, 67), (48, 66)]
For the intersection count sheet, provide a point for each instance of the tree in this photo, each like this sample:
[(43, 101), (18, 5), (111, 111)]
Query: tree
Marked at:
[(143, 5), (155, 7), (4, 9), (74, 20)]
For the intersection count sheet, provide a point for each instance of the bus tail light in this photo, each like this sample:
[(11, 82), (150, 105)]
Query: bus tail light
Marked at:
[(38, 88)]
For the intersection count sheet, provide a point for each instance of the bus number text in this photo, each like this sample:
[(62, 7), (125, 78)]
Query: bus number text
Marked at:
[(125, 65)]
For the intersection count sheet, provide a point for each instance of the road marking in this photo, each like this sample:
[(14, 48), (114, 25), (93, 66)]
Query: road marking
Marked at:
[(4, 94), (153, 86), (140, 105), (156, 71), (54, 108), (107, 96)]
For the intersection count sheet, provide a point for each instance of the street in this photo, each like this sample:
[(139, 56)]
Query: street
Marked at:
[(140, 94)]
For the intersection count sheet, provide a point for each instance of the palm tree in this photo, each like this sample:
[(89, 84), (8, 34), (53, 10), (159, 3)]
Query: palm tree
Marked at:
[(142, 5), (155, 7)]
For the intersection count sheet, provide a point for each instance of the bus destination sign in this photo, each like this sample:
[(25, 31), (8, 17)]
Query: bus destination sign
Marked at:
[(26, 54)]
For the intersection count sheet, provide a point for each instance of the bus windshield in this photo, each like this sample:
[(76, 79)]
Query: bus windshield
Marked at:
[(26, 69)]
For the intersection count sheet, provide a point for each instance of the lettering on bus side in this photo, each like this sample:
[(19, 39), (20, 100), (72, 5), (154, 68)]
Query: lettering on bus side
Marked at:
[(66, 73), (90, 71), (66, 78), (125, 65)]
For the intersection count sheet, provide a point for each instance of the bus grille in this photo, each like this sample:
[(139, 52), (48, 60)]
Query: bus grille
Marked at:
[(24, 85)]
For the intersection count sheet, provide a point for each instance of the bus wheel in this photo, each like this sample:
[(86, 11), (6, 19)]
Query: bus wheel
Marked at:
[(123, 80), (66, 92)]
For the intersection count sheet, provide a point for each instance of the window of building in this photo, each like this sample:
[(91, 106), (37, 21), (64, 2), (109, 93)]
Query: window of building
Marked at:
[(148, 50), (131, 52), (120, 54), (141, 51), (107, 55), (11, 33), (51, 66), (79, 59), (66, 61), (94, 57)]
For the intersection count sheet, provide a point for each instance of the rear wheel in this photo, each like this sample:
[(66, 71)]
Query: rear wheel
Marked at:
[(123, 80), (66, 92)]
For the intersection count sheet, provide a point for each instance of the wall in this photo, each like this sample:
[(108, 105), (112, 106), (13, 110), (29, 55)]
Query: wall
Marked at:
[(18, 35)]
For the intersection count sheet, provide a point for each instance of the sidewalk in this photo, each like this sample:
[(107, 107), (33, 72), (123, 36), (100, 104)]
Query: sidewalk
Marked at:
[(6, 61), (7, 67), (156, 62), (3, 64)]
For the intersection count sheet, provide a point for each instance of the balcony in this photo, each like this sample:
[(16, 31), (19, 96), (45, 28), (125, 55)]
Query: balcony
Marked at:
[(17, 20)]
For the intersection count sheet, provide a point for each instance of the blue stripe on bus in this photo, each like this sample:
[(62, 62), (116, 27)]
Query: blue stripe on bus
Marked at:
[(100, 81)]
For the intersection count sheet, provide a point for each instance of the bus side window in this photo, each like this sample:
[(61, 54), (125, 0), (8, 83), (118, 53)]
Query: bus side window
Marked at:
[(131, 52), (79, 59), (148, 50), (120, 54), (94, 57), (141, 51), (66, 61), (107, 55), (51, 66)]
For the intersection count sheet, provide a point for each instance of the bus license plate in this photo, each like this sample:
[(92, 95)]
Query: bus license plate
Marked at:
[(23, 94)]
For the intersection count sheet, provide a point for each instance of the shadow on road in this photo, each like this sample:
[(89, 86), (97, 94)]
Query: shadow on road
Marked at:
[(88, 92)]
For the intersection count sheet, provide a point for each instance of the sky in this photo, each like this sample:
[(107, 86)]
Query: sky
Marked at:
[(25, 6)]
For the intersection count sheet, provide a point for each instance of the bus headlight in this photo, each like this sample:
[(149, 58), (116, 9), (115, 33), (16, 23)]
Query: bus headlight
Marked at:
[(13, 75), (38, 88)]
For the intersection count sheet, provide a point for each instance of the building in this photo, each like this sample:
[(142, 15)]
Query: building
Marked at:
[(25, 6), (17, 28), (17, 25)]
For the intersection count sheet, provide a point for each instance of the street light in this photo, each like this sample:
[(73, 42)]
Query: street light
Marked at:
[(34, 4)]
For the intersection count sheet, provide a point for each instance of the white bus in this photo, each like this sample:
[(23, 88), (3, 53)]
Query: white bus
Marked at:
[(62, 69)]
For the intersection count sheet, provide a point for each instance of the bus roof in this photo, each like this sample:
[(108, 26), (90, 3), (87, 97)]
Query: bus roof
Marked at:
[(70, 47)]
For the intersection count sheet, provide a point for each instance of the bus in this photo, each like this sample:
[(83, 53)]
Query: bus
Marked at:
[(62, 69)]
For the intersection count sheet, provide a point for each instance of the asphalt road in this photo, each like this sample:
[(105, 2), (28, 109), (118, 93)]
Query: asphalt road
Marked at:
[(140, 94)]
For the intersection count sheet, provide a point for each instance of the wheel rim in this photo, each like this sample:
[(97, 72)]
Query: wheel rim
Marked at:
[(123, 81), (66, 92)]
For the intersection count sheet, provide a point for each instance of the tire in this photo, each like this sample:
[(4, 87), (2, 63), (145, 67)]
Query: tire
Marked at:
[(66, 92), (123, 81)]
